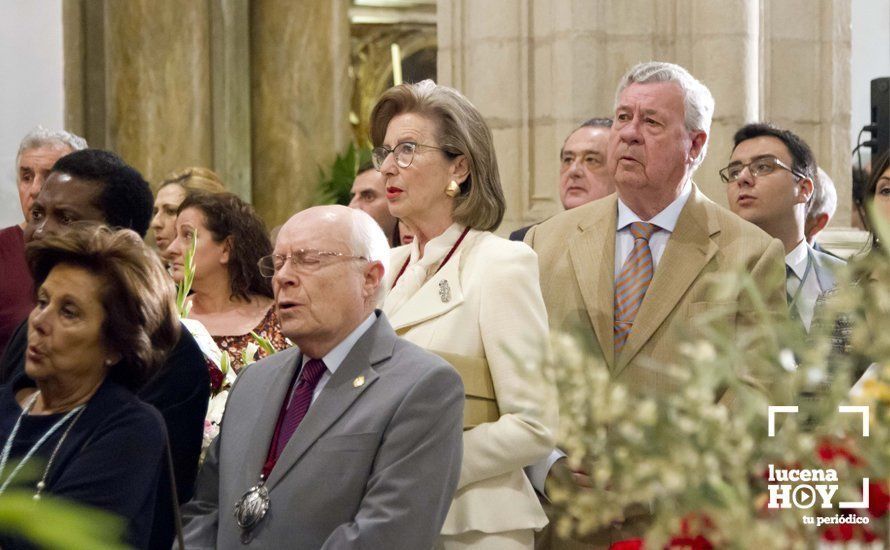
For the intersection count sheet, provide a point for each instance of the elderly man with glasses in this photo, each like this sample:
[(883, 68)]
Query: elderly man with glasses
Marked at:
[(770, 182), (352, 439)]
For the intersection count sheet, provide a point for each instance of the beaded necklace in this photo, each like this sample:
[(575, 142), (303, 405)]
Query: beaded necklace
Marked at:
[(7, 448)]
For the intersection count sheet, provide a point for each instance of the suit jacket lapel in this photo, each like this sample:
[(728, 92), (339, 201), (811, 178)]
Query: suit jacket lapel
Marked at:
[(338, 395), (688, 251), (824, 272), (277, 386), (593, 260), (439, 295)]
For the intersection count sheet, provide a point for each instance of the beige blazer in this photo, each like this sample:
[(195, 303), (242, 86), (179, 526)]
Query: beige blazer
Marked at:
[(494, 311), (576, 250)]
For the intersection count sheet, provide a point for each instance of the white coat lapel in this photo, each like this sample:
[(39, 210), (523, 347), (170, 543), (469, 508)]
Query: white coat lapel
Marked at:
[(439, 295)]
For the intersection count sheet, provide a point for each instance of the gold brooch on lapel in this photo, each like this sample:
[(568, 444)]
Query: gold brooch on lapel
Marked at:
[(444, 291), (359, 381)]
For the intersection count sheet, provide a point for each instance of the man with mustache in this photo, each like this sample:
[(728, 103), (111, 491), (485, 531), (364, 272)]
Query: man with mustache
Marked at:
[(770, 181), (583, 174), (634, 270)]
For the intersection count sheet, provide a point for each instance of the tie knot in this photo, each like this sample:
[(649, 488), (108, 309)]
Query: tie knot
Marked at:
[(312, 371), (642, 230)]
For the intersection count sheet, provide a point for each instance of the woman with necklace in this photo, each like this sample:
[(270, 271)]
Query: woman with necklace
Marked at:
[(472, 297), (105, 318), (229, 295)]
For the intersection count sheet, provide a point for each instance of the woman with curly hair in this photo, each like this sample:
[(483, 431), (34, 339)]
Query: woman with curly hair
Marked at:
[(229, 296)]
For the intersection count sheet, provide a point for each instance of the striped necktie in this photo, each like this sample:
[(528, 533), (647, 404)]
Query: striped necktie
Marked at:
[(632, 282)]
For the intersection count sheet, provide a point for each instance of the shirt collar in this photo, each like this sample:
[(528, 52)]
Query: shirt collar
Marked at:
[(335, 357), (666, 220), (797, 258)]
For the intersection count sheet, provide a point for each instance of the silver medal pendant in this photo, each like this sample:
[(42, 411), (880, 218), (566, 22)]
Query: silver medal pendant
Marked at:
[(252, 506)]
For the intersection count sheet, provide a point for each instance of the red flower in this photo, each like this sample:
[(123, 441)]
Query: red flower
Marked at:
[(216, 377), (830, 452), (878, 498), (690, 537), (847, 532)]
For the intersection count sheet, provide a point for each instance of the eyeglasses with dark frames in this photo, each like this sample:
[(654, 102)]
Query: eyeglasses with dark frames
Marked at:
[(305, 260), (404, 153), (758, 167)]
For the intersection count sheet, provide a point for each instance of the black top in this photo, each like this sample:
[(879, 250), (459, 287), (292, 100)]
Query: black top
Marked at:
[(111, 459), (519, 234), (180, 391)]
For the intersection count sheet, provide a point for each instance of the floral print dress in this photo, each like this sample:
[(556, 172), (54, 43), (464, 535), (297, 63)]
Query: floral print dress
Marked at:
[(269, 329)]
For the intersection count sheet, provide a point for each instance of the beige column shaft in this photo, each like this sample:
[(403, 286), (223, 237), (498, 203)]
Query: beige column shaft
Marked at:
[(299, 99), (158, 87)]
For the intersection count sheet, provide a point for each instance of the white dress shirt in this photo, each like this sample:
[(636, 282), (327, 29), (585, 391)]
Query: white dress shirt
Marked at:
[(810, 290), (666, 220), (335, 357)]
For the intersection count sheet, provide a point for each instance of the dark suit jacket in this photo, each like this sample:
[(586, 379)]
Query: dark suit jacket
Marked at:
[(111, 459), (374, 463), (519, 234)]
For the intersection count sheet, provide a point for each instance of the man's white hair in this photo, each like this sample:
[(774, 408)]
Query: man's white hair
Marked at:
[(369, 242), (697, 99), (824, 199), (44, 137)]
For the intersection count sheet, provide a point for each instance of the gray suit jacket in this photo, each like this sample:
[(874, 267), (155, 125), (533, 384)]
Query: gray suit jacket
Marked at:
[(825, 266), (372, 465)]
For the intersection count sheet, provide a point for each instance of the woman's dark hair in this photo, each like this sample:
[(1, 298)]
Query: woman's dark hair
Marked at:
[(879, 166), (138, 297), (228, 218)]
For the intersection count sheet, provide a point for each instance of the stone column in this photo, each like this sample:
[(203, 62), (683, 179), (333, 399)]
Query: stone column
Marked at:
[(806, 79), (165, 84), (536, 69), (157, 84), (300, 99)]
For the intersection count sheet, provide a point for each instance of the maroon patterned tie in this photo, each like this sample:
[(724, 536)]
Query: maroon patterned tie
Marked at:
[(299, 404)]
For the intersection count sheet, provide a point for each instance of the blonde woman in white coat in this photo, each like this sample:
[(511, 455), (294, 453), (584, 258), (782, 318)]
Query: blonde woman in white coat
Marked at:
[(472, 297)]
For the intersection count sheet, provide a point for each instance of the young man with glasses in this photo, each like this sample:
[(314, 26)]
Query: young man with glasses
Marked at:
[(770, 183)]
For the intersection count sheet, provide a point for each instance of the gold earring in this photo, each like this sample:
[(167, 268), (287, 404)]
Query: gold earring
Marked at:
[(453, 189)]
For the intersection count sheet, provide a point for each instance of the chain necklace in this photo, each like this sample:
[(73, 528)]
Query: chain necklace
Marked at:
[(7, 448)]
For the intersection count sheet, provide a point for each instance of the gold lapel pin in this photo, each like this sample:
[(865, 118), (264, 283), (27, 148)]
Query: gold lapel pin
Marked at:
[(359, 381)]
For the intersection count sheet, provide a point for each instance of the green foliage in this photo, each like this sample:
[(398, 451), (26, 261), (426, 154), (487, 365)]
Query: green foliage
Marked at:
[(54, 523), (697, 448), (334, 187), (265, 344), (183, 304)]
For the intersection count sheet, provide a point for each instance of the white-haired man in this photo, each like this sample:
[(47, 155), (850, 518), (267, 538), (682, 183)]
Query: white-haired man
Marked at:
[(352, 439), (821, 208), (38, 151), (632, 270)]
